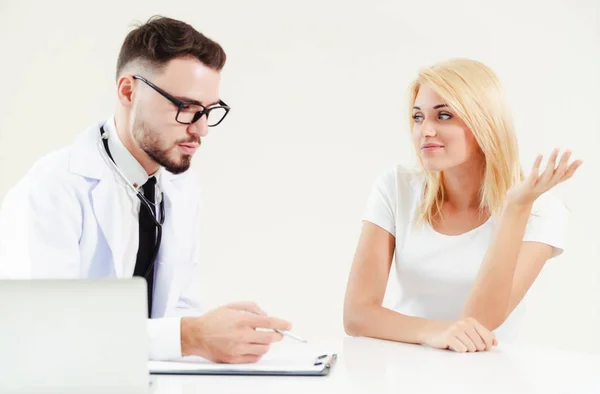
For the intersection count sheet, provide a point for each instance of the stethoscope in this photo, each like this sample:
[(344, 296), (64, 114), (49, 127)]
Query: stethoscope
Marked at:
[(147, 204)]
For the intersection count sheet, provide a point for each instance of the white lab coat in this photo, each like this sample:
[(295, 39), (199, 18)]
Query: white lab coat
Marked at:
[(62, 221)]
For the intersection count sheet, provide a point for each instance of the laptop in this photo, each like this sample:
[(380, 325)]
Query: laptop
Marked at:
[(79, 336)]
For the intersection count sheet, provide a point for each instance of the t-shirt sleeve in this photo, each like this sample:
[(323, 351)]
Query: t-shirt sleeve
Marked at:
[(548, 223), (381, 204)]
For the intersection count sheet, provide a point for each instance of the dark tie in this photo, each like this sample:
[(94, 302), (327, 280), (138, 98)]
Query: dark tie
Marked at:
[(147, 241)]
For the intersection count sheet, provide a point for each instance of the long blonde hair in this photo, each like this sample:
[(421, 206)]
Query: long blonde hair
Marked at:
[(474, 93)]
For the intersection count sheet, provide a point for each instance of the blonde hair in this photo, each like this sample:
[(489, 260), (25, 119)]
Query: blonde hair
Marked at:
[(474, 93)]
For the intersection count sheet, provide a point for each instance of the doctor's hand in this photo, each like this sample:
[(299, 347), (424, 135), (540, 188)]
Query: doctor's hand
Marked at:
[(228, 334), (465, 335)]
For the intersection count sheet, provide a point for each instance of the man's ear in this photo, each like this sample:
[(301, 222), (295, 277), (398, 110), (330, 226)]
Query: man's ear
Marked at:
[(125, 92)]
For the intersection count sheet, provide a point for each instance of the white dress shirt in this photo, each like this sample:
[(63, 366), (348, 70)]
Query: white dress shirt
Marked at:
[(137, 176)]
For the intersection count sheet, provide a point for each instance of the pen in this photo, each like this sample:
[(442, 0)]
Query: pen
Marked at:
[(285, 333), (290, 335)]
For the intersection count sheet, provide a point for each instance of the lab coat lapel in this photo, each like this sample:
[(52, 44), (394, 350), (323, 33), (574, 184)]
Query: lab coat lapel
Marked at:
[(108, 215), (89, 161)]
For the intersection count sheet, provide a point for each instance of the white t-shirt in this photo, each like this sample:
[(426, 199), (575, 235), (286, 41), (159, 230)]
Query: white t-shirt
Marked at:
[(435, 272)]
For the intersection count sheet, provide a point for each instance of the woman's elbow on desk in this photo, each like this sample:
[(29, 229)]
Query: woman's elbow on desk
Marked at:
[(354, 320)]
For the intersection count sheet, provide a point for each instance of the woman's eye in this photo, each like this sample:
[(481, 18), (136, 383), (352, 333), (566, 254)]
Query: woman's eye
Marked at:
[(445, 116), (417, 117)]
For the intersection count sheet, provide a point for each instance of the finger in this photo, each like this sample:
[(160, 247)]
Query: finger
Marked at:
[(264, 338), (561, 169), (464, 338), (550, 167), (487, 336), (254, 349), (571, 170), (456, 345), (476, 338), (247, 307), (495, 341), (535, 169), (270, 322)]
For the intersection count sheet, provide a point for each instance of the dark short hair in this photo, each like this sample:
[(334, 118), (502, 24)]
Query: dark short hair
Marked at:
[(162, 39)]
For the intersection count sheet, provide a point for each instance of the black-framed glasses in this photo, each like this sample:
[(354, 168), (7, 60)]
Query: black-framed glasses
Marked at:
[(189, 112)]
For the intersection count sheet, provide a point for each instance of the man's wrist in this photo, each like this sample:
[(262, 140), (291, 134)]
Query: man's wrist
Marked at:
[(192, 343), (185, 338)]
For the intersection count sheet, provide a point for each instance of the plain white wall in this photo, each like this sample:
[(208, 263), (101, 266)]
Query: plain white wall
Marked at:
[(318, 90)]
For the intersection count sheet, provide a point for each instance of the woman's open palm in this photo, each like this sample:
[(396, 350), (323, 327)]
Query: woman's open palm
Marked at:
[(536, 184)]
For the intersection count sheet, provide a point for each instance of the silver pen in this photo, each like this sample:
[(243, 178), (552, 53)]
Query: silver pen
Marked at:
[(290, 335), (283, 332)]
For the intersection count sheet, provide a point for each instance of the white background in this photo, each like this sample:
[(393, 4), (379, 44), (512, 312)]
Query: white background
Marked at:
[(318, 90)]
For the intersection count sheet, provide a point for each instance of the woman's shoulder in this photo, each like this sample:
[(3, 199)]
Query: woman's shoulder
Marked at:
[(402, 177), (400, 185), (394, 194)]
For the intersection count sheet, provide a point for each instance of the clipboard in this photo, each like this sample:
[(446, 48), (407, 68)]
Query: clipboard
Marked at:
[(320, 365)]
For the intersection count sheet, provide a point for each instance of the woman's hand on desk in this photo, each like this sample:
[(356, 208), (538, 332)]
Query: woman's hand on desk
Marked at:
[(228, 334), (465, 335)]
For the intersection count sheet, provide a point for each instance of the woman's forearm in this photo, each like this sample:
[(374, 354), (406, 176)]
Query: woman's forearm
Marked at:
[(489, 299), (376, 321)]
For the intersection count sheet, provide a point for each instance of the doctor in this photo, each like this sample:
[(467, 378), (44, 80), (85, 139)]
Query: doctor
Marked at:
[(120, 202)]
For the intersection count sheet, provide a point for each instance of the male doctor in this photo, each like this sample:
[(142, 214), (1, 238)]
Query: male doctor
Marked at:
[(120, 202)]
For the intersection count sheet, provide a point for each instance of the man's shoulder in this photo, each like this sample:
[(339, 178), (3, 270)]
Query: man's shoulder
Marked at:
[(52, 163), (54, 169)]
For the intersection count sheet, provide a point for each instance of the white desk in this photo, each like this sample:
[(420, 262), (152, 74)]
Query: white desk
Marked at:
[(373, 366)]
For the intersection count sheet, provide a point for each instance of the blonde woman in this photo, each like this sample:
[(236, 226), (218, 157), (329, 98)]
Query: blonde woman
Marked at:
[(470, 232)]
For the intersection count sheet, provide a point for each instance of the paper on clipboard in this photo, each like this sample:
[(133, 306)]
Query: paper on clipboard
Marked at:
[(303, 364)]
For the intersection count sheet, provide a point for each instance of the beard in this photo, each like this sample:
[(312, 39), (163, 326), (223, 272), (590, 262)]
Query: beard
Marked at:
[(149, 141)]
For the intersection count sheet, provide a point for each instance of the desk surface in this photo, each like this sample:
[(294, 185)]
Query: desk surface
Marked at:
[(373, 366)]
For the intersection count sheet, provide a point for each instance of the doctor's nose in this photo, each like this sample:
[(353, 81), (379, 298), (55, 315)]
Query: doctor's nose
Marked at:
[(199, 128)]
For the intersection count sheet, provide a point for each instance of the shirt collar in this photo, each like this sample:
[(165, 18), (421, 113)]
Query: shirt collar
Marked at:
[(128, 164)]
